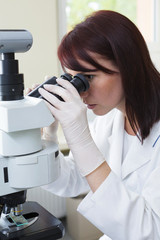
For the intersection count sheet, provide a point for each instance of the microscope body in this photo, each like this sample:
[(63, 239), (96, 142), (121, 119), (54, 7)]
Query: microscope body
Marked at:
[(26, 160)]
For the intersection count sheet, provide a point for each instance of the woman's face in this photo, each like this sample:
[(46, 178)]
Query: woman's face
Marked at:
[(105, 92)]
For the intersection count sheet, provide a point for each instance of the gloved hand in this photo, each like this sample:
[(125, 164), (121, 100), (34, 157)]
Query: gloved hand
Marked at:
[(50, 132), (28, 90), (73, 118)]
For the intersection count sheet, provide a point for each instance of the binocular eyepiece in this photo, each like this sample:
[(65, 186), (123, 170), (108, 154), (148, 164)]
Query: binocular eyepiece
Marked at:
[(78, 81)]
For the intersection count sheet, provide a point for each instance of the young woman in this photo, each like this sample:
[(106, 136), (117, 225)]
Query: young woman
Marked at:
[(119, 158)]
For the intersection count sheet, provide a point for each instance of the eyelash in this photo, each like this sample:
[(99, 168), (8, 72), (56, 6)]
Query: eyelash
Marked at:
[(89, 77)]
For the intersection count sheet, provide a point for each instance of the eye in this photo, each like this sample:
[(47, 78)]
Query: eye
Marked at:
[(89, 77)]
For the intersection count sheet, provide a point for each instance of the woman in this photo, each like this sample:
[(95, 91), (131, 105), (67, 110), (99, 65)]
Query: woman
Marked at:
[(120, 160)]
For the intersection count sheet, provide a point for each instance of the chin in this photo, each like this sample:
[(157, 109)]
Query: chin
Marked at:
[(101, 112)]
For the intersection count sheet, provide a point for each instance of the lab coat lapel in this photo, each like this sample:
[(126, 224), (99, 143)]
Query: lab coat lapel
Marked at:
[(135, 158), (116, 144), (139, 154)]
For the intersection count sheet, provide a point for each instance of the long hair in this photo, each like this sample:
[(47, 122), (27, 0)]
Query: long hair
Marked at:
[(117, 39)]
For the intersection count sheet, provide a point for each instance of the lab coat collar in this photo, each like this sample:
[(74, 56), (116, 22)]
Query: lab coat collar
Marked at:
[(137, 155)]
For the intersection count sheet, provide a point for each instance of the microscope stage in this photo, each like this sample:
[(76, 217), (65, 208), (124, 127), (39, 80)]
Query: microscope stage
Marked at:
[(46, 227)]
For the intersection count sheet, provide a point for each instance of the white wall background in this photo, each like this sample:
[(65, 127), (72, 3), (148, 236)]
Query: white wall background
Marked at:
[(40, 18), (154, 49)]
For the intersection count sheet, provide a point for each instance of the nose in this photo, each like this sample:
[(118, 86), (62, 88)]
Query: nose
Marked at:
[(84, 94)]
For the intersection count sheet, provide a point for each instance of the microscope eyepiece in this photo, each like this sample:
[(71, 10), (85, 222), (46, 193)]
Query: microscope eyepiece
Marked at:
[(66, 76), (11, 82), (78, 81)]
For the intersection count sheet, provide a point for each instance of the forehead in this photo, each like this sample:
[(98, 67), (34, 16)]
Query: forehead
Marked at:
[(101, 60)]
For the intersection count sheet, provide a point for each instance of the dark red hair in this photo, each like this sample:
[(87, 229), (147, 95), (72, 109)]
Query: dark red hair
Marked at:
[(116, 38)]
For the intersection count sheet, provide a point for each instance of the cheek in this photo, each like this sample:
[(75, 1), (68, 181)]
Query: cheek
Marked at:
[(106, 89), (115, 90), (110, 90)]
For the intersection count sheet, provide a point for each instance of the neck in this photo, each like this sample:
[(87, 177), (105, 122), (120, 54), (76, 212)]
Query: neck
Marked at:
[(128, 127)]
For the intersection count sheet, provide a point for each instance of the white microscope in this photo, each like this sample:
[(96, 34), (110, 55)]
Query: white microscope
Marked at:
[(26, 161)]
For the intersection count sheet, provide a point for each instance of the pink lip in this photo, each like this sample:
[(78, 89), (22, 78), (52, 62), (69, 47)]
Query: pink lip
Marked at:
[(91, 106)]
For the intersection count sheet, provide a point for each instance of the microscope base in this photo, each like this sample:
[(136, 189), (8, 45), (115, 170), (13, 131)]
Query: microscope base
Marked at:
[(46, 227)]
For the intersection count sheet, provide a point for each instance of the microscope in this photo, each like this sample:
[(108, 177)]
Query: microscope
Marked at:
[(26, 161)]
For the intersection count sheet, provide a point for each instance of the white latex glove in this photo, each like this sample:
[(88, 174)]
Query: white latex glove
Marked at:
[(72, 115), (50, 132)]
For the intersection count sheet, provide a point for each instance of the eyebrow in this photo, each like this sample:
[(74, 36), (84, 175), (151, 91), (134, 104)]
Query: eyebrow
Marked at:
[(109, 71), (90, 70)]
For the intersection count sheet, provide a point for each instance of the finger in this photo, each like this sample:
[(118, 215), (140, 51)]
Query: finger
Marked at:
[(41, 131), (28, 90), (46, 78), (53, 100), (53, 110), (35, 85), (60, 91), (67, 85)]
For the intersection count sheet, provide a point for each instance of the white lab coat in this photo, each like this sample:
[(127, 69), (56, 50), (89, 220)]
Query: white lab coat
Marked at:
[(127, 204)]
